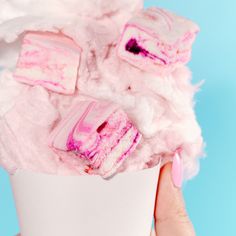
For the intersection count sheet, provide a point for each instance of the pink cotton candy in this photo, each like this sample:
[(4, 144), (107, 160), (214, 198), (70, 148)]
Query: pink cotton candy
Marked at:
[(160, 106), (25, 130)]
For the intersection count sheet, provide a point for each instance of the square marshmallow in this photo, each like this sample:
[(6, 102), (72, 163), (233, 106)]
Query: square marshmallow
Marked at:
[(157, 40), (50, 60)]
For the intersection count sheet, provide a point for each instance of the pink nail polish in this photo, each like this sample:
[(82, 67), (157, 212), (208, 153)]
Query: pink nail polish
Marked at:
[(177, 170)]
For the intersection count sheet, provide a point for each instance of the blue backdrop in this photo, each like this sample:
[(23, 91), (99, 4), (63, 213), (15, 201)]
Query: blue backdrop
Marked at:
[(211, 196)]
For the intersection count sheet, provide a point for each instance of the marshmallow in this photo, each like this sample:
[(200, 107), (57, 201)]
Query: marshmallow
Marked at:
[(50, 60), (99, 132), (157, 41)]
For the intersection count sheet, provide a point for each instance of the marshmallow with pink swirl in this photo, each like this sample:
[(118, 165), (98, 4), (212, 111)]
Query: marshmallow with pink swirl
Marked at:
[(98, 132), (50, 60), (157, 41)]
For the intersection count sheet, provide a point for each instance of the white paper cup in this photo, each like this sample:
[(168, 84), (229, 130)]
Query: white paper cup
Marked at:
[(49, 205)]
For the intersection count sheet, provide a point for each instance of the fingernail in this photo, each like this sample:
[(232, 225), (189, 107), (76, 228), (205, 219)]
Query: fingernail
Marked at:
[(177, 170)]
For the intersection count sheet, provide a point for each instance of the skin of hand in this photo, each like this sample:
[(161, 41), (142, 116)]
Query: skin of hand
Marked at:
[(171, 218)]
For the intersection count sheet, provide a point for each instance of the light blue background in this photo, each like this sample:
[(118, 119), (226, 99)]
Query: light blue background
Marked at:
[(211, 196)]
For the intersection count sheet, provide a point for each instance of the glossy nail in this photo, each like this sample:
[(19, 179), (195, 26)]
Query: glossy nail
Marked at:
[(177, 170)]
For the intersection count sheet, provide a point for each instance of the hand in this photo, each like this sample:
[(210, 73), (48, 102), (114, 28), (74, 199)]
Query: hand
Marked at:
[(171, 218)]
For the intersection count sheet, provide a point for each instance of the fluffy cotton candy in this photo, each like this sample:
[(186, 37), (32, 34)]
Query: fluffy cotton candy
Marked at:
[(24, 133), (34, 15), (92, 8), (8, 11), (161, 107), (9, 91)]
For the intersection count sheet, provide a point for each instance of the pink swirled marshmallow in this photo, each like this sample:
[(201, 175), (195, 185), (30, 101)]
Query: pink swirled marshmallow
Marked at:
[(50, 60), (99, 132), (157, 41)]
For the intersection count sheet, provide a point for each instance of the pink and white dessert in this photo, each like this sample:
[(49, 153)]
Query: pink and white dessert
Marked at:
[(142, 71), (50, 60), (100, 133), (156, 40)]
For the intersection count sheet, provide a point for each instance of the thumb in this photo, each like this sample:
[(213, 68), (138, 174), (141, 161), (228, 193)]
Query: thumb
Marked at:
[(170, 215)]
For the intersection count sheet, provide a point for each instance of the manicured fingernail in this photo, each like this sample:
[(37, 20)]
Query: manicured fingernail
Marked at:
[(177, 170)]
